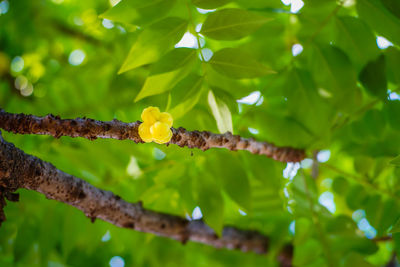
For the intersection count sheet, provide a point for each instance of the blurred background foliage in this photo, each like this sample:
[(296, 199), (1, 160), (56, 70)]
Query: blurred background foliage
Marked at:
[(319, 75)]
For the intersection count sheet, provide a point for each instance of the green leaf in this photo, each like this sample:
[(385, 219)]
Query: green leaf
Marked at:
[(221, 113), (395, 161), (374, 121), (356, 197), (363, 164), (340, 185), (226, 97), (380, 19), (305, 104), (357, 39), (153, 42), (237, 64), (396, 227), (392, 112), (265, 170), (341, 225), (373, 77), (348, 243), (357, 260), (24, 240), (210, 4), (166, 73), (211, 202), (234, 179), (303, 231), (237, 88), (307, 253), (393, 6), (312, 16), (185, 95), (381, 214), (303, 197), (138, 12), (370, 127), (392, 56), (231, 24), (260, 4), (334, 74), (49, 231), (279, 129)]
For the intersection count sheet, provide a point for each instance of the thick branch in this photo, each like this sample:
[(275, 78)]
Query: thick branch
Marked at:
[(19, 170), (92, 129)]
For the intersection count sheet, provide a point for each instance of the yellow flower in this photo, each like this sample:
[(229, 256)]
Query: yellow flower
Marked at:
[(156, 126)]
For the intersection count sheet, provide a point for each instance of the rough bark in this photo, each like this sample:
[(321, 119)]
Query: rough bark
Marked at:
[(20, 170), (92, 129)]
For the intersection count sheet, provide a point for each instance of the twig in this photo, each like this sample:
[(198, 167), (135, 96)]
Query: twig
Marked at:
[(383, 238), (92, 129)]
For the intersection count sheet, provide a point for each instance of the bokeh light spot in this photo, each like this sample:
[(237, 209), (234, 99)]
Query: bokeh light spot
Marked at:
[(253, 131), (251, 99), (17, 64), (188, 40), (107, 24), (4, 6), (114, 2), (106, 237), (205, 11), (297, 49), (295, 5), (326, 200), (117, 261), (76, 57), (28, 90), (197, 214), (158, 154), (323, 155), (21, 82), (198, 27), (207, 54), (382, 42)]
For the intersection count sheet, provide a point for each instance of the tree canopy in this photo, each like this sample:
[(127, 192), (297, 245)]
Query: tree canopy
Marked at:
[(304, 90)]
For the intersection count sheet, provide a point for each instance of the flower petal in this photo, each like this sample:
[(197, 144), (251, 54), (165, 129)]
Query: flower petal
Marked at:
[(165, 117), (160, 132), (144, 132), (150, 115)]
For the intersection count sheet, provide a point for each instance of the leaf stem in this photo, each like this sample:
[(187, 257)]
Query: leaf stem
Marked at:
[(195, 33)]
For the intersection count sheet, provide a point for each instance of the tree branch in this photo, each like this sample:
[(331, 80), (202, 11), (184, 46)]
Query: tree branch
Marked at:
[(20, 170), (92, 129)]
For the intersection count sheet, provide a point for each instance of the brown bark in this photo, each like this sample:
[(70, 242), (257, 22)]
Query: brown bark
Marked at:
[(92, 129), (20, 170)]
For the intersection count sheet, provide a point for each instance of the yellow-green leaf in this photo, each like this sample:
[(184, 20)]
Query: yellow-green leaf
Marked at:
[(235, 63), (221, 113), (232, 24), (395, 161), (138, 12), (185, 95), (166, 73), (210, 4), (380, 19), (154, 41)]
